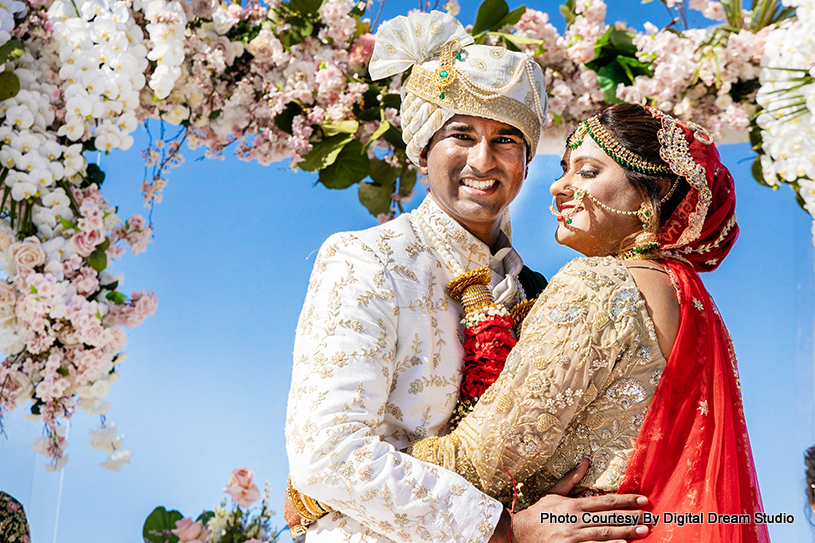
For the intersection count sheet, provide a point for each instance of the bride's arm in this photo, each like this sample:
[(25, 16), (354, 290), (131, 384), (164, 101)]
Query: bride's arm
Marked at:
[(585, 319)]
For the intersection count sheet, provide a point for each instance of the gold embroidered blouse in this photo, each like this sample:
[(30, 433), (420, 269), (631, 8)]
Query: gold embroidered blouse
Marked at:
[(576, 386)]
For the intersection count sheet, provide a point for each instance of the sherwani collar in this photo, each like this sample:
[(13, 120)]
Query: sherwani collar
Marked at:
[(469, 251)]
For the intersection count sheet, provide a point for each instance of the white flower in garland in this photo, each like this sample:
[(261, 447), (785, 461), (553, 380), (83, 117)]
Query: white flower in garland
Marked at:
[(168, 22), (787, 96)]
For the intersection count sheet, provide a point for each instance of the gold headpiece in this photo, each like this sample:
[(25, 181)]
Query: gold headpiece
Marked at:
[(612, 147)]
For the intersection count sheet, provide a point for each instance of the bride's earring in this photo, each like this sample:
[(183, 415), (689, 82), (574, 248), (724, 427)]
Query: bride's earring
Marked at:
[(646, 241)]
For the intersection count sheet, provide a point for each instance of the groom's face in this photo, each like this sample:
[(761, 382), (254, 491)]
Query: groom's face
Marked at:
[(475, 168)]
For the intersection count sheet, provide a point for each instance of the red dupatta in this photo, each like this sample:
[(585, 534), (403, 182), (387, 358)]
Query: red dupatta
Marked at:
[(692, 455)]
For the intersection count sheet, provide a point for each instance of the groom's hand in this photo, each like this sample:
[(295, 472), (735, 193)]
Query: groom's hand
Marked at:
[(528, 528)]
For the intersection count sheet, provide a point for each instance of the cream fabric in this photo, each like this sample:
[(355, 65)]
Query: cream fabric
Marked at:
[(490, 82), (377, 362), (577, 385)]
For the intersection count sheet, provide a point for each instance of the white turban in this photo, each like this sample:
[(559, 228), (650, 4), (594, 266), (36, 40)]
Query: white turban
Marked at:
[(452, 76)]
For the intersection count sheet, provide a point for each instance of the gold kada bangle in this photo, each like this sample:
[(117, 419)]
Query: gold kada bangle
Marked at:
[(308, 508)]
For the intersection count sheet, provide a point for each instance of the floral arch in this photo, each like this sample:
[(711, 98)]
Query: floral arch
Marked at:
[(288, 80)]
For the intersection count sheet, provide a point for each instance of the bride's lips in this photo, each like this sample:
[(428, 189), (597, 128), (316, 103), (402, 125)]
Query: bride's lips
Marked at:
[(564, 207)]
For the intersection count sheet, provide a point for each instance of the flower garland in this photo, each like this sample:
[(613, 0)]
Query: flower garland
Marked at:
[(487, 341)]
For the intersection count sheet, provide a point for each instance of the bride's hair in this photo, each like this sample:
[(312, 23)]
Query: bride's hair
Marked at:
[(637, 130)]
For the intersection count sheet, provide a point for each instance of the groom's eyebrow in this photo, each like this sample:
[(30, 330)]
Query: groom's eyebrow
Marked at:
[(459, 127), (510, 131)]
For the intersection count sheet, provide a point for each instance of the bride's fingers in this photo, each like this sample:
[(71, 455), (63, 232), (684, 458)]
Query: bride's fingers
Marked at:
[(567, 482)]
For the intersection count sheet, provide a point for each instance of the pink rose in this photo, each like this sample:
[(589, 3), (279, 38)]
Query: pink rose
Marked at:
[(85, 243), (7, 294), (190, 532), (265, 47), (225, 46), (241, 487), (27, 254), (205, 8)]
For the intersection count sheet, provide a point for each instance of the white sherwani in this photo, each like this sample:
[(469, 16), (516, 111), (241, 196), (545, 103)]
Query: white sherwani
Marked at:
[(377, 362)]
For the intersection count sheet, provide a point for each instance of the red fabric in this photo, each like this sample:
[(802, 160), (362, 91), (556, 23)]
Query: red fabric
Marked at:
[(686, 460), (719, 230), (692, 454)]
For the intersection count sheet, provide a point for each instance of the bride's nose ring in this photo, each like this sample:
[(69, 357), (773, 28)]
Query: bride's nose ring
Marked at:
[(566, 215)]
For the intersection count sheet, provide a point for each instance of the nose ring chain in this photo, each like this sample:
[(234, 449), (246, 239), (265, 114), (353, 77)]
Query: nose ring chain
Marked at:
[(644, 213)]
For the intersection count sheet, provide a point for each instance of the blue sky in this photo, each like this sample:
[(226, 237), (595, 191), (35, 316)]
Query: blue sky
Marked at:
[(204, 389)]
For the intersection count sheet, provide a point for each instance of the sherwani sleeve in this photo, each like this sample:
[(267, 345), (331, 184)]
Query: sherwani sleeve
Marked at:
[(577, 330), (343, 366)]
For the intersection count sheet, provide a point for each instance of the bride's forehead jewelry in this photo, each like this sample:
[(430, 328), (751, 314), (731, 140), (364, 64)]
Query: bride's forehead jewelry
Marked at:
[(612, 147)]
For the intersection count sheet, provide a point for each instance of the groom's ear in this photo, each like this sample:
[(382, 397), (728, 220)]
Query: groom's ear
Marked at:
[(423, 160)]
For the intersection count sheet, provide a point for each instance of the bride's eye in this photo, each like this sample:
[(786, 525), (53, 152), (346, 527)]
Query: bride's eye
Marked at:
[(587, 173)]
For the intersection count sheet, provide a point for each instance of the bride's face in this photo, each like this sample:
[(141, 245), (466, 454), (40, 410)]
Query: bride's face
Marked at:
[(594, 231)]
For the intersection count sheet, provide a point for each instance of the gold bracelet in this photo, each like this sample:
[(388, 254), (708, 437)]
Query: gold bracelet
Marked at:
[(297, 530), (296, 501), (316, 508)]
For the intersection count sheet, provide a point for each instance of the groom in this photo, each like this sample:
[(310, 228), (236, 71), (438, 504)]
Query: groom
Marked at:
[(378, 354)]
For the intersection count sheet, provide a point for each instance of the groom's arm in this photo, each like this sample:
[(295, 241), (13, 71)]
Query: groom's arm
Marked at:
[(343, 369)]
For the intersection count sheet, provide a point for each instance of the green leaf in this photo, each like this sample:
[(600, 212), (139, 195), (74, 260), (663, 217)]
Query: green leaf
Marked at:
[(204, 517), (110, 286), (375, 198), (324, 153), (116, 297), (407, 181), (98, 260), (391, 100), (383, 174), (332, 128), (306, 7), (517, 39), (609, 76), (351, 166), (9, 85), (394, 137), (379, 132), (490, 14), (512, 18), (157, 526), (285, 118), (567, 11), (63, 371), (11, 50), (95, 174), (68, 224)]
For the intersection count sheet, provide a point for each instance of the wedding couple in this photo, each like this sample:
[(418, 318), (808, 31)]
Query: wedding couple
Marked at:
[(623, 359)]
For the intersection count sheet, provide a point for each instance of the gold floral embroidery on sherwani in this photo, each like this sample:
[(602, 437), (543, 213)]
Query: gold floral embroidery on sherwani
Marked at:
[(576, 386)]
